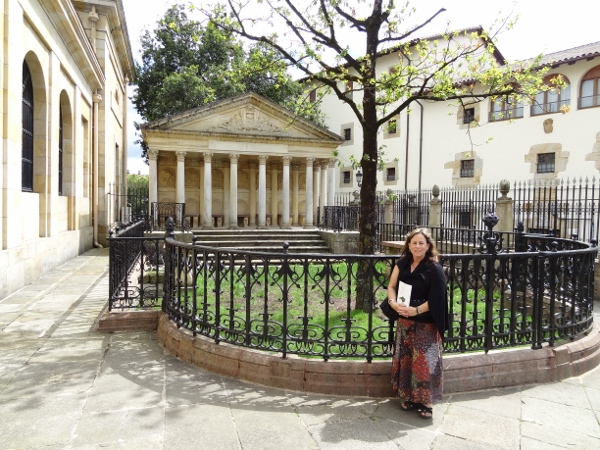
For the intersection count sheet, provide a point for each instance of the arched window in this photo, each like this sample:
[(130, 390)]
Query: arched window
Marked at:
[(60, 150), (505, 107), (552, 100), (590, 89), (27, 131)]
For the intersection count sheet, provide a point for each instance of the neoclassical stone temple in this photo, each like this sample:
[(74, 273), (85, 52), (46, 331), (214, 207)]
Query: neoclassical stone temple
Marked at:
[(241, 162)]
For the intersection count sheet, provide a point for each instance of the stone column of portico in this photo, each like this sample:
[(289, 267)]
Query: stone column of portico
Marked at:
[(262, 191), (317, 191), (252, 194), (285, 194), (226, 205), (233, 191), (201, 200), (308, 217), (274, 186), (331, 182), (207, 218), (323, 199), (295, 175), (153, 182), (180, 192)]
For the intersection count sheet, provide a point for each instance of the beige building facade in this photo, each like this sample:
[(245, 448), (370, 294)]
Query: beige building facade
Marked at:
[(241, 162), (66, 66)]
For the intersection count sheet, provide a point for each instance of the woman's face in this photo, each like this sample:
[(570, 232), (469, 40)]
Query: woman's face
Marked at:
[(418, 246)]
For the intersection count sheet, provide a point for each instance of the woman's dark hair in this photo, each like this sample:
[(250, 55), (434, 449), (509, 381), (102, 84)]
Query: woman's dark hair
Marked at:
[(432, 253)]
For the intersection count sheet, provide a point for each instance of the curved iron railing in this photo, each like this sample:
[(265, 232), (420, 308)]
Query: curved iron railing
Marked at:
[(304, 303)]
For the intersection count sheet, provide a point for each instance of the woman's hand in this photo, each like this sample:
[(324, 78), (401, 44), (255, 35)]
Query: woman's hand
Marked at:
[(405, 311)]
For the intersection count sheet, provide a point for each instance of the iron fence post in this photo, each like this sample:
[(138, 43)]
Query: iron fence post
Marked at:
[(538, 301), (490, 246), (168, 284)]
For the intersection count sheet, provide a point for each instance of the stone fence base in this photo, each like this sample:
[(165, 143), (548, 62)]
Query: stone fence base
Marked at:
[(462, 373)]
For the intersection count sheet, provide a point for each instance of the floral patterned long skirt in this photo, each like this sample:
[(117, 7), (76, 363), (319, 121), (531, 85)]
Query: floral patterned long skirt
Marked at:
[(417, 362)]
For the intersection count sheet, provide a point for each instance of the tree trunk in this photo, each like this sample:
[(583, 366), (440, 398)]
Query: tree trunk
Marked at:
[(368, 210)]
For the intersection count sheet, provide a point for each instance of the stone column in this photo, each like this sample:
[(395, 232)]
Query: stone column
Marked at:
[(233, 191), (207, 218), (274, 170), (153, 182), (316, 191), (252, 194), (308, 218), (262, 191), (180, 192), (295, 206), (226, 205), (323, 199), (285, 194), (331, 183), (201, 199)]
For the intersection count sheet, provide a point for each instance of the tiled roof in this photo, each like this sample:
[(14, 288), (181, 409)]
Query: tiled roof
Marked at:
[(572, 54)]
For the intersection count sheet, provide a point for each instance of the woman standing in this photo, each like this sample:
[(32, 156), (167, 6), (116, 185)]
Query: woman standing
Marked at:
[(417, 361)]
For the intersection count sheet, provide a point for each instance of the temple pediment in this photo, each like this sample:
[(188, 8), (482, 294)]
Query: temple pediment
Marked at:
[(244, 117)]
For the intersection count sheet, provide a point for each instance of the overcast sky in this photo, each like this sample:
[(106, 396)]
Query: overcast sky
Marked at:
[(544, 26)]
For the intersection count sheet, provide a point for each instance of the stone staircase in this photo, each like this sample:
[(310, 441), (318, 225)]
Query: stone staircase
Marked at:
[(264, 240)]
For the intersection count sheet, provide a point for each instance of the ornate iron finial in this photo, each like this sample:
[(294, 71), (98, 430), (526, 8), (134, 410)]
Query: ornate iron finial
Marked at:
[(520, 227), (286, 245), (490, 220), (169, 227), (491, 241)]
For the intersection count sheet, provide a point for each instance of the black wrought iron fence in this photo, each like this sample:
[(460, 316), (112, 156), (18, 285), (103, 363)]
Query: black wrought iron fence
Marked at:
[(136, 269), (448, 240), (563, 208), (304, 304)]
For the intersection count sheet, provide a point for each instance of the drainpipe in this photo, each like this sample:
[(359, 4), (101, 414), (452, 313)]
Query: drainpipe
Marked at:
[(407, 152), (96, 99), (420, 146)]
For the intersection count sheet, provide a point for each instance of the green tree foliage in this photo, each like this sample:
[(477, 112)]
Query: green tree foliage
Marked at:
[(337, 44), (138, 182), (185, 64)]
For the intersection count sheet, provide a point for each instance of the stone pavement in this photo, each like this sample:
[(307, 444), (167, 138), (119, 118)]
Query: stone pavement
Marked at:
[(65, 386)]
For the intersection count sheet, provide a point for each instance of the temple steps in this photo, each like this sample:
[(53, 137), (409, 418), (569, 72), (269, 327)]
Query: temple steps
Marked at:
[(264, 240)]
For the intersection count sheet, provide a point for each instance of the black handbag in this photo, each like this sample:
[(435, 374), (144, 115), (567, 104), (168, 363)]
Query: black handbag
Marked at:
[(389, 312)]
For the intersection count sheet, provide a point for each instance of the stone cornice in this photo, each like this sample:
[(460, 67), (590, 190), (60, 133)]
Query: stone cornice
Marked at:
[(234, 137), (65, 19), (117, 27)]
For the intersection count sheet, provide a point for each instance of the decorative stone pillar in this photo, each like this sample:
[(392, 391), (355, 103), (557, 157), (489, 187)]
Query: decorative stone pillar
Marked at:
[(233, 190), (504, 209), (323, 199), (331, 182), (274, 186), (295, 206), (207, 218), (252, 193), (285, 194), (153, 182), (262, 191), (435, 208), (308, 217)]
